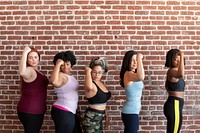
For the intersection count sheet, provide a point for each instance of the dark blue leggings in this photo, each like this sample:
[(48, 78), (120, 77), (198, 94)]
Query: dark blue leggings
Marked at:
[(173, 112), (131, 123), (64, 121), (31, 122)]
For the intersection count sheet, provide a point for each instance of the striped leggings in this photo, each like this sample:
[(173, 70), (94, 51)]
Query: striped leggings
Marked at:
[(173, 112)]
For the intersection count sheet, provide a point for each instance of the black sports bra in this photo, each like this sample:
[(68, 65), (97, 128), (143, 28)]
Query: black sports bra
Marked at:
[(176, 86), (100, 97)]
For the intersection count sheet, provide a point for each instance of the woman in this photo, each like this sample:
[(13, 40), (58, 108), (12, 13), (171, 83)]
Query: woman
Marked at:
[(97, 95), (131, 76), (32, 105), (66, 87), (175, 86)]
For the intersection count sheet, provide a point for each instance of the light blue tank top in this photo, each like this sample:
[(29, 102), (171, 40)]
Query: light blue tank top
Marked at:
[(133, 98)]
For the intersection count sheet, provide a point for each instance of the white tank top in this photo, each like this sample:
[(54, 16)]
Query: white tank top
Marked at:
[(67, 95)]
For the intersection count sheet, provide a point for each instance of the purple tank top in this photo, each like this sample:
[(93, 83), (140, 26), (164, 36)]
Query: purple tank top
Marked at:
[(67, 95), (33, 99)]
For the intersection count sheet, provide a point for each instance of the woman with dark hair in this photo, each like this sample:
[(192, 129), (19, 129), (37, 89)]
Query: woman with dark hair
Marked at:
[(97, 95), (131, 76), (175, 86), (32, 105), (66, 87)]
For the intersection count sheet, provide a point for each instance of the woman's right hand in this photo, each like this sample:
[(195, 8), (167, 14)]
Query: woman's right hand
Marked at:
[(139, 56), (27, 49), (88, 69), (59, 62), (181, 54)]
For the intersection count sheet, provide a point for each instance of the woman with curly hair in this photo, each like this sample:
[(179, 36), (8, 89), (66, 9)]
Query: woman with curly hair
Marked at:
[(66, 88)]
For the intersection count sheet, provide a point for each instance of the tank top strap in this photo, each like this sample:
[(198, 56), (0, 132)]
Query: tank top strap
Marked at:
[(96, 85)]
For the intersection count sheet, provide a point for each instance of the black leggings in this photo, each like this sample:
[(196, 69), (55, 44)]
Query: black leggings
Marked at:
[(31, 122), (173, 112), (64, 121), (131, 123)]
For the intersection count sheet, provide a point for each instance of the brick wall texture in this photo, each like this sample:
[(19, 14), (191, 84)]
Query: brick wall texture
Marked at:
[(106, 28)]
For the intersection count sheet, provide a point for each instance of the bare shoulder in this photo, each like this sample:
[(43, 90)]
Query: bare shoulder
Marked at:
[(91, 91), (130, 75), (30, 74), (171, 75), (172, 72), (62, 77)]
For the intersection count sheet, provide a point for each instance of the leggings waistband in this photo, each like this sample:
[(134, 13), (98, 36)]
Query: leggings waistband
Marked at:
[(95, 110), (175, 98)]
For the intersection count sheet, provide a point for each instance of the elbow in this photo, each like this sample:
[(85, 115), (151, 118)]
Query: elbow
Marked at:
[(87, 87), (56, 82), (141, 77), (181, 74), (53, 82), (21, 73)]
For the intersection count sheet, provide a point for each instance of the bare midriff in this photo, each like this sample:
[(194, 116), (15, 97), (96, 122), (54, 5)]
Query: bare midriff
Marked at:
[(98, 107), (176, 94)]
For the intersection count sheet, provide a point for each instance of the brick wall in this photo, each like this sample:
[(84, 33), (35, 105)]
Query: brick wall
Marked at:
[(105, 28)]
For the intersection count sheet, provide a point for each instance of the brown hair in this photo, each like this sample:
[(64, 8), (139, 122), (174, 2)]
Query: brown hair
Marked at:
[(126, 65)]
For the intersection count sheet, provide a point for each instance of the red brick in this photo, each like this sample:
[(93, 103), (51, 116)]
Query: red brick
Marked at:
[(108, 29)]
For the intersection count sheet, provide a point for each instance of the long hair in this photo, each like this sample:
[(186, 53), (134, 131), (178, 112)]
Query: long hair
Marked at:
[(126, 65), (170, 57), (99, 61)]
